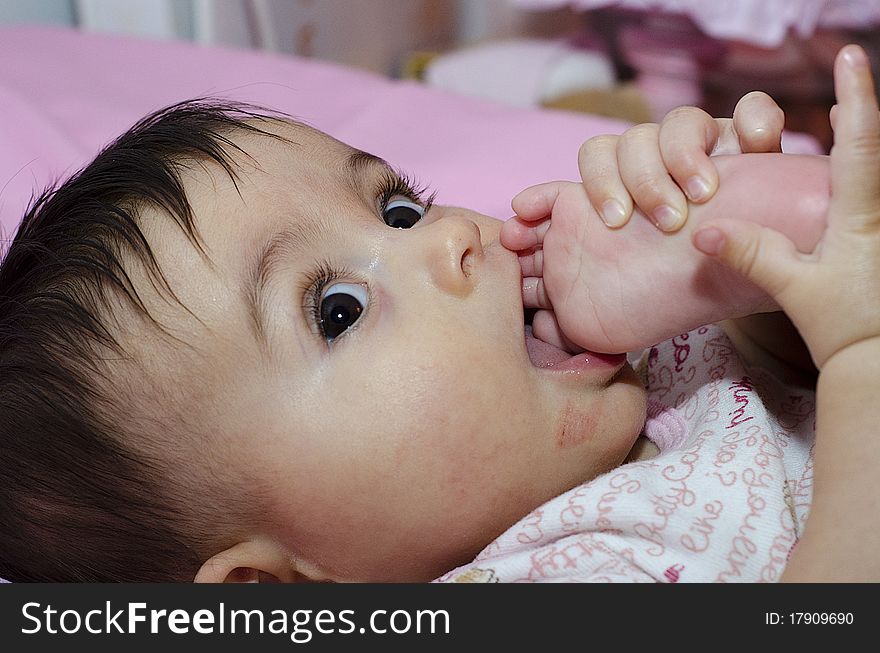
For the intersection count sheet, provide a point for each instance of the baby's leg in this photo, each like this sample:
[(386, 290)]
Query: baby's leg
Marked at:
[(638, 286)]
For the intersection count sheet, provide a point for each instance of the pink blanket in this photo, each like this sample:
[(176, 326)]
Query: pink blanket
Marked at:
[(64, 94)]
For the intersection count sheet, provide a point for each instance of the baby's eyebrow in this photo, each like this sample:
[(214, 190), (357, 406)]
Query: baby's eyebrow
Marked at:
[(360, 166), (292, 239), (359, 162)]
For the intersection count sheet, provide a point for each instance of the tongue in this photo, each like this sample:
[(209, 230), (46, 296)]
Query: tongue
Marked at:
[(543, 354)]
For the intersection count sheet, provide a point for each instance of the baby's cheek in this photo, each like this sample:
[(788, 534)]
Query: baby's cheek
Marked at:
[(578, 425), (451, 438)]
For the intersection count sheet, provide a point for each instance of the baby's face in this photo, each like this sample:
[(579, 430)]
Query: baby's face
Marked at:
[(385, 407)]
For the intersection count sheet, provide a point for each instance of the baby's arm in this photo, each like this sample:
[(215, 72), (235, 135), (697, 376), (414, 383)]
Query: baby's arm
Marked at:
[(833, 297), (621, 290)]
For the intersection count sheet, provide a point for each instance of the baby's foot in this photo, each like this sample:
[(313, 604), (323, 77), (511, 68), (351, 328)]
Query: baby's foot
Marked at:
[(622, 290)]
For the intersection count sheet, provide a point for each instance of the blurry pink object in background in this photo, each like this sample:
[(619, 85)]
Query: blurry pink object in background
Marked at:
[(760, 22), (669, 62)]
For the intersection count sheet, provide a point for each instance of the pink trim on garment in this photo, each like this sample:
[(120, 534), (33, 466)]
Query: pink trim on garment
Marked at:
[(664, 426)]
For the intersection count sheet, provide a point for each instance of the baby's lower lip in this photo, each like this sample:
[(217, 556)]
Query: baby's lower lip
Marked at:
[(549, 357), (589, 360)]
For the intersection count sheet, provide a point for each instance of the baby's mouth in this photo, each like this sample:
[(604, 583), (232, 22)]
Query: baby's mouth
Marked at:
[(542, 354), (545, 355)]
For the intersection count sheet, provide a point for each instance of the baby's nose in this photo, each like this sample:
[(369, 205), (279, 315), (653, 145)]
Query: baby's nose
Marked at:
[(455, 249)]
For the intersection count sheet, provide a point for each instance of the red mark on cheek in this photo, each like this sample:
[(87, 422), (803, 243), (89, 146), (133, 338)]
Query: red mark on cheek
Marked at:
[(575, 427)]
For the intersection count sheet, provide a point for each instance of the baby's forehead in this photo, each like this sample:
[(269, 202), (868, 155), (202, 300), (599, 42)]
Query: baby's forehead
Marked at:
[(269, 159), (286, 158), (289, 138)]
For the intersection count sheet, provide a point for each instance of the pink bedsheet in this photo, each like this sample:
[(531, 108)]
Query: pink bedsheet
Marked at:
[(64, 94)]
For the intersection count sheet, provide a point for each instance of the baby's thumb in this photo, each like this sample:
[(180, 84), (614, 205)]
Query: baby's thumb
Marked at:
[(763, 256)]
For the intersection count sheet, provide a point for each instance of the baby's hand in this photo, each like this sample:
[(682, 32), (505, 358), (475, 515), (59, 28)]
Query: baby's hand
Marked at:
[(650, 164), (833, 294)]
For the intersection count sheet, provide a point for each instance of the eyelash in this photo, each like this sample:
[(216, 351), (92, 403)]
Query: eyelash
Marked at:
[(397, 184), (391, 185)]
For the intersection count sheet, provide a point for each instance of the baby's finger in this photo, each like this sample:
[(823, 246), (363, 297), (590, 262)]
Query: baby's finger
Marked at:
[(597, 161), (518, 235), (763, 256), (855, 157), (645, 177), (687, 136), (534, 294), (758, 122), (831, 116)]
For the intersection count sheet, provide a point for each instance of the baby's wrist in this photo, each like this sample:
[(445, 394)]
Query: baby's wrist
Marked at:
[(851, 356)]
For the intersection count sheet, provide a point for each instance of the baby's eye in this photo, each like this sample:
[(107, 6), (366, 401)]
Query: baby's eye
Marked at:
[(402, 213), (341, 306)]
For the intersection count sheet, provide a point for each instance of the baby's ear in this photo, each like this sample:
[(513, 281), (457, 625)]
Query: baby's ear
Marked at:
[(256, 561)]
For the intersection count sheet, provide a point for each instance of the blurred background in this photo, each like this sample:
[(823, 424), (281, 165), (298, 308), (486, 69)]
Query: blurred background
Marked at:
[(630, 59)]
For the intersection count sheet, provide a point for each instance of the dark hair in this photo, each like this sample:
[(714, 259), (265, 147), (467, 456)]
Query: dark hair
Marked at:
[(77, 503)]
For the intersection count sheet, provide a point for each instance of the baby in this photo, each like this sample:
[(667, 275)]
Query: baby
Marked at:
[(235, 348)]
